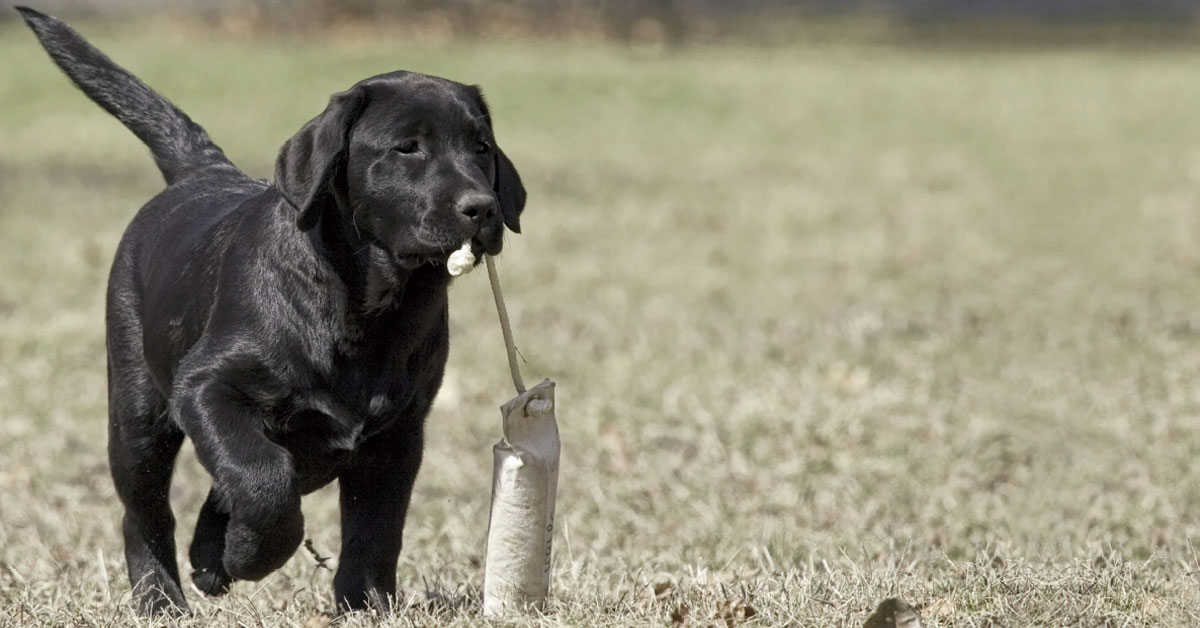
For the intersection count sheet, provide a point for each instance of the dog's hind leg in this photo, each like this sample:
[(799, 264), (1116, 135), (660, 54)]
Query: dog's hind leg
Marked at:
[(208, 548), (142, 445), (141, 450)]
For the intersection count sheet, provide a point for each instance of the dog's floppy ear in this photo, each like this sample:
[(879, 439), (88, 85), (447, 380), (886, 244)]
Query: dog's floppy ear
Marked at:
[(309, 165), (510, 194), (509, 191)]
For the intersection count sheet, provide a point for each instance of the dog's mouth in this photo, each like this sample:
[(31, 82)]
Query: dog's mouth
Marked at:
[(440, 255)]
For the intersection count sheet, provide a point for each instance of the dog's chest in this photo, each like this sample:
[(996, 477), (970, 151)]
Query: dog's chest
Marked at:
[(327, 428), (375, 390), (379, 389)]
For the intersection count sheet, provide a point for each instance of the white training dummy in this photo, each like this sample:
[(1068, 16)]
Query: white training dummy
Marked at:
[(516, 576)]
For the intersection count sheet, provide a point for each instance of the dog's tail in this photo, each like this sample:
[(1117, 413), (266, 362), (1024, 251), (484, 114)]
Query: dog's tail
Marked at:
[(179, 145)]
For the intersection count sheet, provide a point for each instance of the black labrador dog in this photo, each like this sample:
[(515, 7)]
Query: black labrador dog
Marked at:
[(295, 331)]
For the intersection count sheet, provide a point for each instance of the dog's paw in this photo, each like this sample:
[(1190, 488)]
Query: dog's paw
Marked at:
[(212, 581), (251, 553)]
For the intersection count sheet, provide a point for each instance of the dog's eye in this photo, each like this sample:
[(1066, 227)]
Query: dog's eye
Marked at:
[(483, 147), (407, 147)]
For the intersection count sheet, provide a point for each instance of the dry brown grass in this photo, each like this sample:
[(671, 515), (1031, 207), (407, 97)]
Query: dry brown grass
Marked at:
[(830, 324)]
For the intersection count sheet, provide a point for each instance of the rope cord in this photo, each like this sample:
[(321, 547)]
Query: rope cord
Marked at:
[(509, 345)]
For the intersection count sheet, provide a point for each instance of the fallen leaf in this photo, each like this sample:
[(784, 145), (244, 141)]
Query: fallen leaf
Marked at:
[(940, 608), (733, 612), (658, 589), (318, 621), (894, 613), (679, 616)]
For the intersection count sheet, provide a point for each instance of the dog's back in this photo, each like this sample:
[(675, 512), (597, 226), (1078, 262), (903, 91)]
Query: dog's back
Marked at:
[(191, 219)]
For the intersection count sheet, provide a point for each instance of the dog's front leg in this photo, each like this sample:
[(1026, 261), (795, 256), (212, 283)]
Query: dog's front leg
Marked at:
[(374, 496), (207, 552), (254, 480)]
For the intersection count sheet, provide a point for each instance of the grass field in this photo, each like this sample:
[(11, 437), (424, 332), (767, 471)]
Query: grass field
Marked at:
[(830, 324)]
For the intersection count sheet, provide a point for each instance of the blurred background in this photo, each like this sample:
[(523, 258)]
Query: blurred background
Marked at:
[(676, 22), (845, 300)]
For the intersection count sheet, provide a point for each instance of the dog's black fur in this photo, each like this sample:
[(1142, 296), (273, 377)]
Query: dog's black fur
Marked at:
[(296, 332)]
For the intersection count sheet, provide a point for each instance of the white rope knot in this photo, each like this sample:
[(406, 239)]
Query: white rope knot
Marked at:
[(461, 261)]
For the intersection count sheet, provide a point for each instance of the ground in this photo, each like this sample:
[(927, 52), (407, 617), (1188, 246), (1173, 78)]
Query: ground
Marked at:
[(830, 323)]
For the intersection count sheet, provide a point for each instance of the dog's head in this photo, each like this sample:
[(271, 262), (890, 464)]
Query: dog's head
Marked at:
[(410, 163)]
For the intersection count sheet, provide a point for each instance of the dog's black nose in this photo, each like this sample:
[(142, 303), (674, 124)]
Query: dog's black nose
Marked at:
[(476, 207)]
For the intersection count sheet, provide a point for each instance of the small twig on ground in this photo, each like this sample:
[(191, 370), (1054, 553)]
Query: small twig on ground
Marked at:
[(312, 551), (320, 561)]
